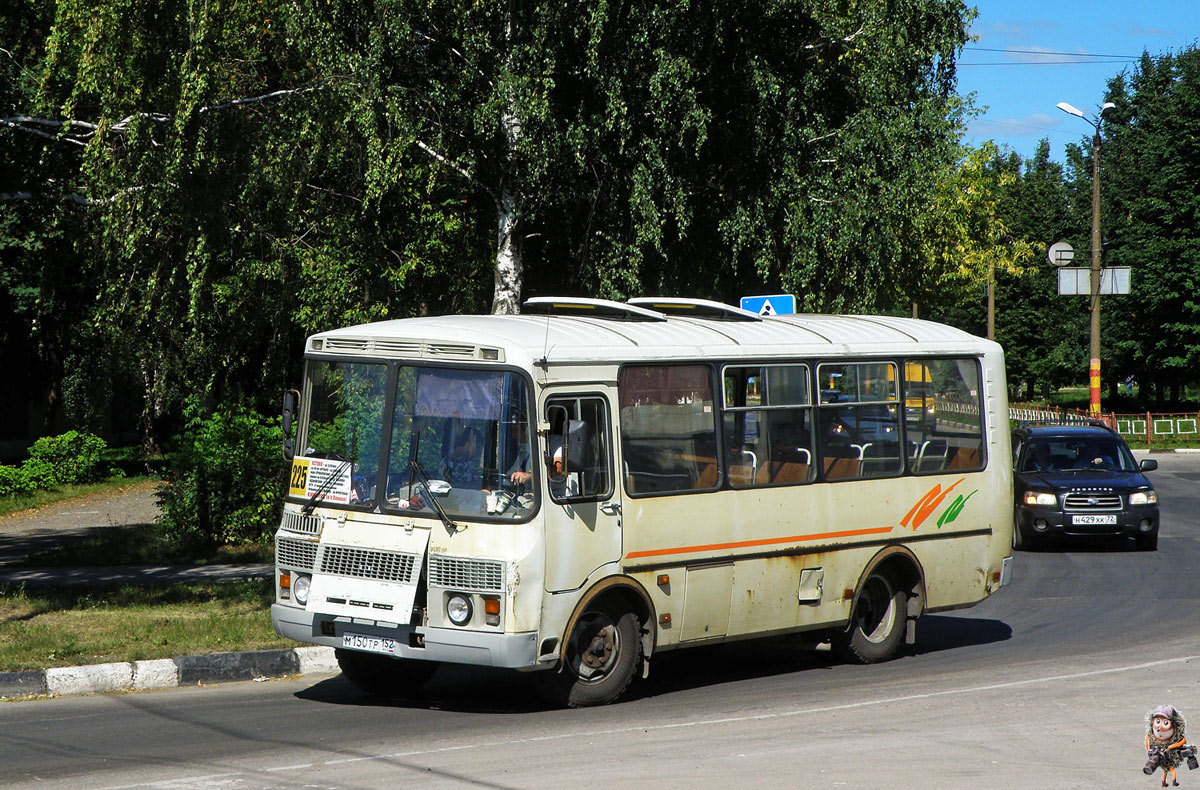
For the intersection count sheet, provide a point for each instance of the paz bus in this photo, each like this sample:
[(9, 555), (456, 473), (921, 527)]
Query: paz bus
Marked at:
[(580, 488)]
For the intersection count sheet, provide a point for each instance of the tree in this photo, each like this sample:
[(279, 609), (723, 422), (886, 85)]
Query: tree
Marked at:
[(236, 173), (1151, 163)]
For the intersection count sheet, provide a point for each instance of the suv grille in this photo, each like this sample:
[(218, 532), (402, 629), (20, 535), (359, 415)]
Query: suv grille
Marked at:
[(363, 564), (465, 574), (1093, 500)]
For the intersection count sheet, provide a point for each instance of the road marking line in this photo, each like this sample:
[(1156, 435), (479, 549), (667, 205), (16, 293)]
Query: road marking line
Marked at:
[(177, 782), (784, 714)]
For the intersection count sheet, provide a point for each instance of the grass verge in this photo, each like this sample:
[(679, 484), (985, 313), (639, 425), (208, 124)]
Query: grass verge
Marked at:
[(40, 629)]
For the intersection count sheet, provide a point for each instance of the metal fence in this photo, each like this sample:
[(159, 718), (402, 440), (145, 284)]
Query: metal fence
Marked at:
[(1153, 428)]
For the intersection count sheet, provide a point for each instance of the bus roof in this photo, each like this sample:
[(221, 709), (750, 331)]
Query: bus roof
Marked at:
[(574, 331)]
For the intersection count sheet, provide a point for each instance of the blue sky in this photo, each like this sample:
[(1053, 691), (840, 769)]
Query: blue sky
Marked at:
[(1017, 80)]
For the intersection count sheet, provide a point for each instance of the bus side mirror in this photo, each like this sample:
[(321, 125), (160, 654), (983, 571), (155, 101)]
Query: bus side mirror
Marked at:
[(291, 400), (556, 445), (576, 444)]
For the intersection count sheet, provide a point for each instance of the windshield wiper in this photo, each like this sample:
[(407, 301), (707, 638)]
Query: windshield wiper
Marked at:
[(323, 489), (449, 522)]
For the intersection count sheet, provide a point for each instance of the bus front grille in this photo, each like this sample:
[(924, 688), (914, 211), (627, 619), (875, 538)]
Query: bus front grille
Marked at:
[(365, 564), (298, 522), (298, 554), (466, 574)]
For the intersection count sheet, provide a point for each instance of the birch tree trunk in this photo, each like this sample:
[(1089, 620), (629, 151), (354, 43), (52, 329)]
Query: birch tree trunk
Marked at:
[(507, 295)]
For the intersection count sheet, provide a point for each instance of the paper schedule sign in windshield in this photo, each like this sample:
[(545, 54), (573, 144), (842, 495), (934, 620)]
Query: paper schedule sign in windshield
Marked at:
[(323, 479)]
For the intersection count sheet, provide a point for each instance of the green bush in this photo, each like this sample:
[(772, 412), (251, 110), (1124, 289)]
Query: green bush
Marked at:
[(14, 481), (224, 482), (74, 457), (39, 473)]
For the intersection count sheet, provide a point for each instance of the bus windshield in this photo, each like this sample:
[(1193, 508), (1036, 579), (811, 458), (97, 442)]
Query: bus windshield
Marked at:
[(455, 437)]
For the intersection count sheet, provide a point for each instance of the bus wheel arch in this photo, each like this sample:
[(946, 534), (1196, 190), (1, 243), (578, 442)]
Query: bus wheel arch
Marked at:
[(887, 600), (605, 645)]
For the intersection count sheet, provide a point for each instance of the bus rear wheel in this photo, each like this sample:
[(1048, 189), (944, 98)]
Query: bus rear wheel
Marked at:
[(384, 676), (600, 659), (877, 623)]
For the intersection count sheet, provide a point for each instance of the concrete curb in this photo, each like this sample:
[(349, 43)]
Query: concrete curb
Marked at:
[(1144, 451), (169, 672)]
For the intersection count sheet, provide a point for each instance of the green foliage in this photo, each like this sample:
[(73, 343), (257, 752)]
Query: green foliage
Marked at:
[(252, 170), (224, 483), (14, 482), (72, 457), (69, 458), (1150, 216), (39, 473)]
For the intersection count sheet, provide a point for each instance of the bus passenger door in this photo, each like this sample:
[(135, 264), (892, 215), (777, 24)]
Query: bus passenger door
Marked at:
[(583, 504)]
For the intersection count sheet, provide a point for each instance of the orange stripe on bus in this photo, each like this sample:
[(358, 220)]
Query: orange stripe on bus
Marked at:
[(745, 544)]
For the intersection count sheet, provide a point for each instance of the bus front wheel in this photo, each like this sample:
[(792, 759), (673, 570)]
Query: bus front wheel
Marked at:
[(384, 676), (876, 624), (600, 659)]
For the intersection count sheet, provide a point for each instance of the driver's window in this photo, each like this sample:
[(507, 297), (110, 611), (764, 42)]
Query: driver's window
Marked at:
[(578, 450)]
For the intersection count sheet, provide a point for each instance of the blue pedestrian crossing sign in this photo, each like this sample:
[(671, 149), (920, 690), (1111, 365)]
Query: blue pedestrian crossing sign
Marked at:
[(779, 304)]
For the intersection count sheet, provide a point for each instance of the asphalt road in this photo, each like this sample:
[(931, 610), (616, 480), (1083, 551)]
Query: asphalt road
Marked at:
[(1045, 684)]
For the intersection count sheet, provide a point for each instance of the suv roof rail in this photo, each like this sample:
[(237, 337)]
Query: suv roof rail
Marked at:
[(1066, 421)]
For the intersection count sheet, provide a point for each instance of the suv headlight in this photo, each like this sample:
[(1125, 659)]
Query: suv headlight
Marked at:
[(1040, 498), (1144, 497)]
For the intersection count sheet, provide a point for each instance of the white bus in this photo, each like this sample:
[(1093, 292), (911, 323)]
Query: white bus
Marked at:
[(579, 488)]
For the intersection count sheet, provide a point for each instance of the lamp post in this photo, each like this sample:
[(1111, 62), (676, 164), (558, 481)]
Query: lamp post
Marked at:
[(1094, 344)]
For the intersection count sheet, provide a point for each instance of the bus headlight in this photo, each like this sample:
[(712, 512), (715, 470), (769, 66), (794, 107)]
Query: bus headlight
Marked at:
[(300, 589), (1143, 498), (458, 609), (1040, 498)]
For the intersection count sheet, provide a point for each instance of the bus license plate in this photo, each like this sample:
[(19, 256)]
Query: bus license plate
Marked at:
[(1109, 520), (371, 644)]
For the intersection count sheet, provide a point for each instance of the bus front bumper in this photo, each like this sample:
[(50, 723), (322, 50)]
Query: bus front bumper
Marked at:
[(451, 645)]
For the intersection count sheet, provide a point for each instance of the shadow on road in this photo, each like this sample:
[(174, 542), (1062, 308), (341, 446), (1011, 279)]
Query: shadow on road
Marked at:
[(468, 689), (938, 632)]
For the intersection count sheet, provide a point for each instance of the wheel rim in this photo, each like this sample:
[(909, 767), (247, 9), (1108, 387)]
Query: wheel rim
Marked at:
[(595, 647), (875, 614)]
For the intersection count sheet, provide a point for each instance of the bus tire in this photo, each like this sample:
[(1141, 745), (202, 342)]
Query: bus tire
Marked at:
[(600, 659), (877, 623), (384, 676)]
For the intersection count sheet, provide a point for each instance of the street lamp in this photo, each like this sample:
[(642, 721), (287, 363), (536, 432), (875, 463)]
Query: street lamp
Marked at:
[(1094, 346)]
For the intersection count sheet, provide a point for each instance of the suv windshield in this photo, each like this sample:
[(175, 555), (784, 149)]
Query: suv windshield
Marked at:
[(1083, 452), (464, 431)]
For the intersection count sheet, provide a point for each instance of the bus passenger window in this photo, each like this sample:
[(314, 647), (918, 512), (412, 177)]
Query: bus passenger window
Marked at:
[(943, 415), (767, 425), (668, 429), (859, 421)]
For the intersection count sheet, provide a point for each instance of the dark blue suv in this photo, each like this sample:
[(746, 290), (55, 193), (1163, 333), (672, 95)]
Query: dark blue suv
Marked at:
[(1081, 480)]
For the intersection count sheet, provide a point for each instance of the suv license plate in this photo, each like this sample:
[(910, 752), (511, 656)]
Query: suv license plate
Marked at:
[(1109, 520), (371, 644)]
